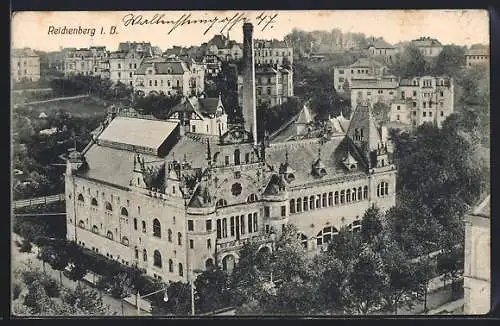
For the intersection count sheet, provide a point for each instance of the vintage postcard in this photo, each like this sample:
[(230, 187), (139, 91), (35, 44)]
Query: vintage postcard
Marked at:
[(264, 163)]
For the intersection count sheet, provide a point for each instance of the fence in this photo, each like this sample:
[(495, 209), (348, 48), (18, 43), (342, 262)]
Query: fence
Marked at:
[(38, 201)]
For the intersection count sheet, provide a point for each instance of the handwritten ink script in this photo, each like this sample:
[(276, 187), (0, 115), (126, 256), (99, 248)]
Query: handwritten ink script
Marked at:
[(263, 20)]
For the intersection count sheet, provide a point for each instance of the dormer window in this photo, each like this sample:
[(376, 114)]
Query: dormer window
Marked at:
[(290, 177)]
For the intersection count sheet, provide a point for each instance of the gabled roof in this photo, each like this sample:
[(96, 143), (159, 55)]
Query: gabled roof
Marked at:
[(161, 66), (220, 41), (201, 106), (426, 41), (366, 63), (380, 44), (362, 118)]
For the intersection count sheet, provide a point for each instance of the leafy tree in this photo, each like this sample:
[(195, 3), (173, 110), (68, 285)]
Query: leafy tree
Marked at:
[(425, 270), (86, 301), (45, 255), (450, 61), (345, 246), (367, 282), (16, 290), (60, 260), (371, 224), (331, 274), (410, 63), (211, 286), (25, 246), (37, 299), (450, 264), (121, 287)]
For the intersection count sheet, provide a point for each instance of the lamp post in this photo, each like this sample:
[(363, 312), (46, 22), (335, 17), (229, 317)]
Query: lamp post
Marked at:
[(139, 297)]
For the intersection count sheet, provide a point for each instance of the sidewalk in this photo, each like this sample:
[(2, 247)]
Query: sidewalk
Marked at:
[(115, 305)]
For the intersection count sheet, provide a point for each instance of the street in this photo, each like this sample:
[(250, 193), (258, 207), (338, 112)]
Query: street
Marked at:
[(18, 259)]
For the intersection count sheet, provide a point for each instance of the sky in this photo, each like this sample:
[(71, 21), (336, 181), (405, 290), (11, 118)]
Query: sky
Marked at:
[(38, 30)]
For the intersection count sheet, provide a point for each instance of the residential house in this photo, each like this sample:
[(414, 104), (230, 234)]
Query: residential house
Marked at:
[(380, 48), (223, 47), (25, 65), (429, 47), (364, 68), (85, 61), (477, 56), (273, 52)]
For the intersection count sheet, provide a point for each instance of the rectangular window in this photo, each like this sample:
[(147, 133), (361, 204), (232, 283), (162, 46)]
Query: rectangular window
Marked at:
[(430, 113), (226, 160), (442, 113), (209, 225), (424, 113), (399, 107), (283, 210), (247, 157), (209, 244), (250, 223), (219, 229), (191, 243), (414, 93), (224, 227), (267, 228), (267, 211), (190, 225), (255, 223), (232, 226), (242, 224)]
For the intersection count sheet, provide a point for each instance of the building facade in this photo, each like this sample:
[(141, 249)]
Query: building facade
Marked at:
[(373, 91), (380, 48), (423, 99), (477, 267), (170, 77), (224, 48), (25, 65), (171, 199), (273, 52), (359, 70), (478, 56), (429, 47), (85, 61)]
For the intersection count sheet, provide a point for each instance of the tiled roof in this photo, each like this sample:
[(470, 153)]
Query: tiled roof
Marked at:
[(366, 63), (203, 106), (426, 41), (128, 46), (303, 154), (113, 165), (380, 44), (118, 55), (137, 132), (192, 150), (220, 41), (483, 51), (162, 66), (270, 44), (26, 52)]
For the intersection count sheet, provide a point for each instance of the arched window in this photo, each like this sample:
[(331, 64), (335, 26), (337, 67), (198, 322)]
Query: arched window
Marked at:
[(81, 224), (156, 228), (330, 199), (80, 197), (342, 196), (292, 205), (181, 271), (209, 263), (95, 229), (144, 226), (365, 192), (109, 235), (353, 194), (323, 200), (125, 241), (299, 205), (236, 157), (179, 238), (252, 198), (145, 255), (221, 203), (136, 252), (382, 189), (348, 195), (303, 240), (326, 235), (124, 211), (108, 206), (170, 266), (360, 193), (305, 204), (157, 258), (135, 224), (93, 202), (169, 235), (336, 197), (311, 202)]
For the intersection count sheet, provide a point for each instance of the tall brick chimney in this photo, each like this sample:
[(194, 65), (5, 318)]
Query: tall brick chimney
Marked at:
[(249, 109)]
